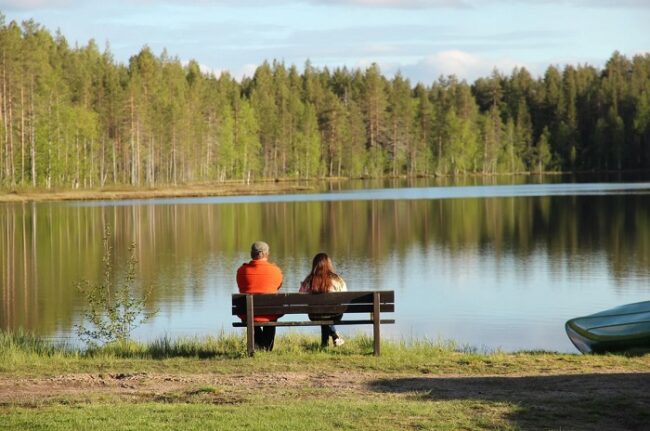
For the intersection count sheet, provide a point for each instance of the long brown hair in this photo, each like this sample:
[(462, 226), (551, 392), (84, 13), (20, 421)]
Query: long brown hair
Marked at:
[(321, 275)]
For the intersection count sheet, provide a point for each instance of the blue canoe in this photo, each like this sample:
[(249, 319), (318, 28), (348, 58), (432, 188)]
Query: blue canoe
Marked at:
[(621, 329)]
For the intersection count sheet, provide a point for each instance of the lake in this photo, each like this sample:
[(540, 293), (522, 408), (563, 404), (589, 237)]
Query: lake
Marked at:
[(499, 266)]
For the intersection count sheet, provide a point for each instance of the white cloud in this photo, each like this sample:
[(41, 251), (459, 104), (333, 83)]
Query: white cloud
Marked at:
[(461, 64), (399, 4), (588, 3), (35, 4), (247, 70), (477, 4), (382, 4)]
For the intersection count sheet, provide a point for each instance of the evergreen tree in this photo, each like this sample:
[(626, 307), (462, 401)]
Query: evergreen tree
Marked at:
[(401, 113), (523, 145), (354, 143), (492, 140), (642, 128), (247, 141), (308, 144), (543, 151), (419, 154), (374, 106), (263, 101)]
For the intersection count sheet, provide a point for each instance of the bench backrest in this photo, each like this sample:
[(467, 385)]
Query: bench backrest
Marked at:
[(321, 303)]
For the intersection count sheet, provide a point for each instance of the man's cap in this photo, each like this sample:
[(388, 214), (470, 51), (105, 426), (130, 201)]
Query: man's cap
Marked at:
[(259, 247)]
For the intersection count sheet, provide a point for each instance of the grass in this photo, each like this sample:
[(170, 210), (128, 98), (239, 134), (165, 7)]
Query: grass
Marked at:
[(322, 415), (25, 354), (210, 383)]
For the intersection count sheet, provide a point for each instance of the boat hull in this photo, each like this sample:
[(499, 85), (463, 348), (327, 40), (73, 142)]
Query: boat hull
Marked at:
[(621, 329)]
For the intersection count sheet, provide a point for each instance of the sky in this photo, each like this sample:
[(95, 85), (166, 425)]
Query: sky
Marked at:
[(422, 39)]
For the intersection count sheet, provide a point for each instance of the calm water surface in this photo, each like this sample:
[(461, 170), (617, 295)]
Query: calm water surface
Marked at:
[(488, 266)]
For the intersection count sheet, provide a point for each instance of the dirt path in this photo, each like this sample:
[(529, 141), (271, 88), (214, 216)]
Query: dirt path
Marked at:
[(610, 401), (17, 391), (153, 386)]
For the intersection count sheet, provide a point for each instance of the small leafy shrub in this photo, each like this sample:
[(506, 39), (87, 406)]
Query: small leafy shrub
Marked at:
[(113, 310)]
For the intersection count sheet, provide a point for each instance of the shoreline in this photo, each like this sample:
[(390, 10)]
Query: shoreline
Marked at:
[(185, 191), (239, 188)]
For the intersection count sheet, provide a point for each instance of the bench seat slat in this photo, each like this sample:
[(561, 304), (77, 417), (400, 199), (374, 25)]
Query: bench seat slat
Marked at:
[(239, 299), (322, 309), (314, 323)]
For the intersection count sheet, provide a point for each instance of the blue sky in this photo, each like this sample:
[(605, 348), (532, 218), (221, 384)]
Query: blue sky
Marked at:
[(422, 38)]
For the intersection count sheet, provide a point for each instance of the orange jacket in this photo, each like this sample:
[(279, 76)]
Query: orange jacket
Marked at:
[(259, 276)]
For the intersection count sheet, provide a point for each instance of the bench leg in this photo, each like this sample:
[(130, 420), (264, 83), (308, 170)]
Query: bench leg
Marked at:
[(250, 326), (375, 323), (250, 340)]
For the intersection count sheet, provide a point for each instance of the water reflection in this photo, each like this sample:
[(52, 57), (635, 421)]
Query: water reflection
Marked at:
[(500, 271)]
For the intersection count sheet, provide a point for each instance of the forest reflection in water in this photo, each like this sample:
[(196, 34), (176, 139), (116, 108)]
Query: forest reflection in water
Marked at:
[(465, 268)]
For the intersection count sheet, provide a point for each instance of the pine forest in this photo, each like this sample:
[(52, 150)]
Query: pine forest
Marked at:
[(74, 117)]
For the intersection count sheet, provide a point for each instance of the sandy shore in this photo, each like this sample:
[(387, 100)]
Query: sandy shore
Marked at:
[(202, 190)]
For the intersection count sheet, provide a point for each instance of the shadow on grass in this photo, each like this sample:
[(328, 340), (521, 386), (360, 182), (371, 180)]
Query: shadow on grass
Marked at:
[(576, 402), (227, 347), (223, 347)]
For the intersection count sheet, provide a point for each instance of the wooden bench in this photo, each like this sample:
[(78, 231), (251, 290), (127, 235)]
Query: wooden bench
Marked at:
[(322, 303)]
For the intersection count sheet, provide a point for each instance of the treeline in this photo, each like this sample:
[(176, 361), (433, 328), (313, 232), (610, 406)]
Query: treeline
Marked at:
[(74, 117)]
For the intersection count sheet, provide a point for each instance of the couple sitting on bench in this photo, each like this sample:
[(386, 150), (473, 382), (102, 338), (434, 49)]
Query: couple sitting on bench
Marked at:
[(261, 276)]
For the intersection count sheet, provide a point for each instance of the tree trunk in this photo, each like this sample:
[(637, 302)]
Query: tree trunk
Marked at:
[(132, 136), (4, 160), (22, 134), (113, 151), (10, 152), (78, 166), (33, 137), (6, 112), (152, 164), (91, 174), (102, 164), (174, 154), (208, 146), (395, 145)]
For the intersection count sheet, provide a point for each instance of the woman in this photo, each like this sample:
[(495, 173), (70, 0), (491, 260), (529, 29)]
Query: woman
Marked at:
[(323, 279)]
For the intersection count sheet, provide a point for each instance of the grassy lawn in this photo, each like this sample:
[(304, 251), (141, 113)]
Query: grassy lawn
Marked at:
[(211, 384)]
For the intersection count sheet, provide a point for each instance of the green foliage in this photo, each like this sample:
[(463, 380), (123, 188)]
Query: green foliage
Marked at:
[(21, 342), (226, 151), (247, 141), (113, 310), (543, 151), (73, 117)]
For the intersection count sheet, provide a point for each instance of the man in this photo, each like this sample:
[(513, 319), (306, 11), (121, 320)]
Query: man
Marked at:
[(260, 276)]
